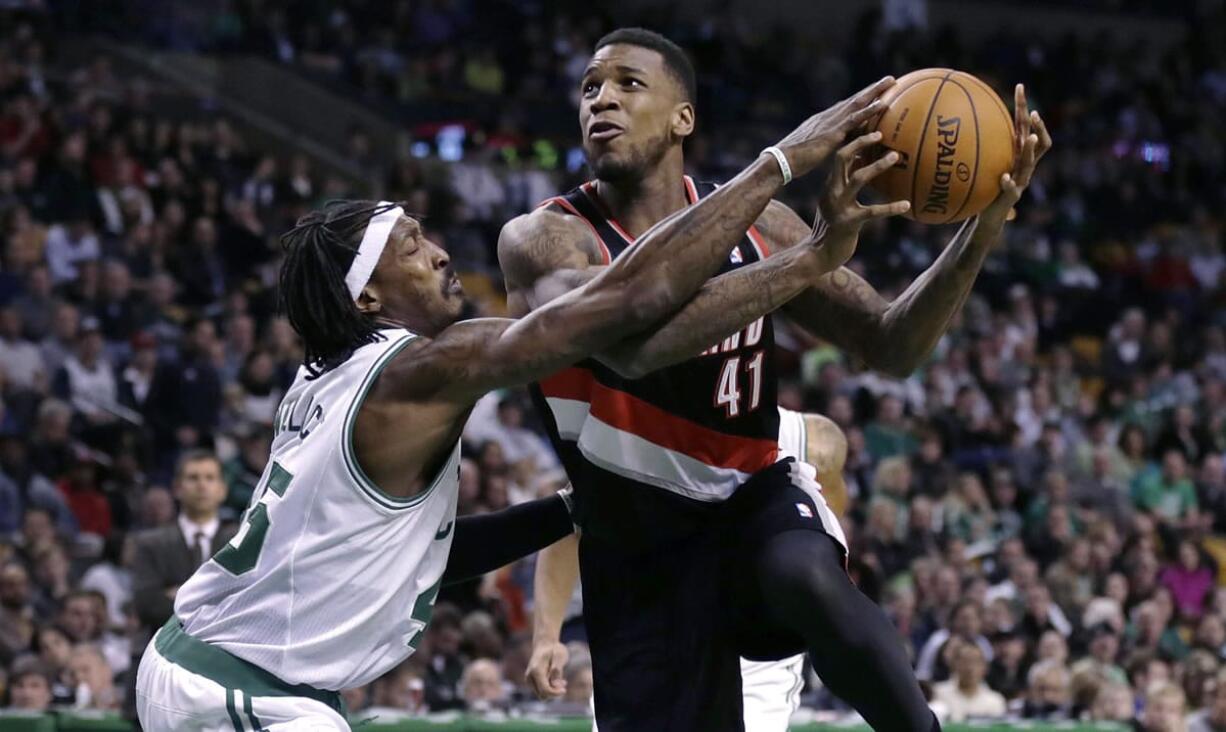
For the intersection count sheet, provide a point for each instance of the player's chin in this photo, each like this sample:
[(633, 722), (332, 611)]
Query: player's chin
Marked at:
[(610, 167)]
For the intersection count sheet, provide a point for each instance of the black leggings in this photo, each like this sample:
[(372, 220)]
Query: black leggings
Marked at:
[(855, 649)]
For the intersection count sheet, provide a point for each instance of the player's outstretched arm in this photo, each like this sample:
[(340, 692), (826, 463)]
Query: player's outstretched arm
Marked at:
[(557, 572), (732, 301), (486, 541), (654, 278), (536, 272), (895, 337)]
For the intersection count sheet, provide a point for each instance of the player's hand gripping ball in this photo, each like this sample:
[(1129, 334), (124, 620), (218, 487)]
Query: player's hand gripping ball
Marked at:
[(954, 137)]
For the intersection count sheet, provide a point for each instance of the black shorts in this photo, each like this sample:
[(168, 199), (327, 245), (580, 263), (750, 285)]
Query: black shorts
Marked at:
[(668, 624)]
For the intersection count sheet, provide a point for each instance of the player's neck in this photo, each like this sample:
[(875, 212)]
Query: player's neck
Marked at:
[(641, 203), (412, 322)]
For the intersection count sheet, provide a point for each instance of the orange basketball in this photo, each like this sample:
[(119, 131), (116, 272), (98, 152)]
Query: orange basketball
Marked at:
[(954, 137)]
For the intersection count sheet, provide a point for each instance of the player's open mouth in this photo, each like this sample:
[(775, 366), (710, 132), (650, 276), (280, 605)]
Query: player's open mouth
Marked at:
[(454, 287), (604, 131)]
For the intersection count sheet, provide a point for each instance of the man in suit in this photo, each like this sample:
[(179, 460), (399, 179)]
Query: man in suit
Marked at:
[(166, 556)]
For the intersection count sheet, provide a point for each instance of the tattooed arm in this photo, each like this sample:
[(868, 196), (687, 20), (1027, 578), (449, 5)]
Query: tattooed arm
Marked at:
[(723, 305), (892, 337), (427, 389), (654, 278), (424, 394), (895, 337)]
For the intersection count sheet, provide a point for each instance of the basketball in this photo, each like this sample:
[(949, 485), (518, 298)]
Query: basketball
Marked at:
[(954, 137)]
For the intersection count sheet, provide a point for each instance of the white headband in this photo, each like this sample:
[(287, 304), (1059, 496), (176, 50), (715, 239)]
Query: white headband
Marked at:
[(373, 241)]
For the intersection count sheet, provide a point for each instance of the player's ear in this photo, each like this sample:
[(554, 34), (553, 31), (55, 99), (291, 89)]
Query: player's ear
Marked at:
[(368, 300), (683, 119)]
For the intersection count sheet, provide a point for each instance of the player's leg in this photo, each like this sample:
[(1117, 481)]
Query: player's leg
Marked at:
[(793, 593), (771, 691), (855, 649), (660, 658), (288, 714), (171, 699)]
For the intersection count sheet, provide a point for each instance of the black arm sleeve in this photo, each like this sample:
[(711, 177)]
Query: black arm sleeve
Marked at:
[(485, 542)]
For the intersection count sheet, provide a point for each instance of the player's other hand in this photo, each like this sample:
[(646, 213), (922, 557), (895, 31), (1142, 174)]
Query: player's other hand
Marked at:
[(546, 669), (841, 216), (1031, 142), (813, 141)]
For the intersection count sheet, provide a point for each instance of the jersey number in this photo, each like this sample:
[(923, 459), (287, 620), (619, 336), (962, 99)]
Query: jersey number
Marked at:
[(728, 390), (243, 551), (422, 610)]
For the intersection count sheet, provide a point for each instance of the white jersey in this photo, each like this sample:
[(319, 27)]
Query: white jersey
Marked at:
[(330, 582)]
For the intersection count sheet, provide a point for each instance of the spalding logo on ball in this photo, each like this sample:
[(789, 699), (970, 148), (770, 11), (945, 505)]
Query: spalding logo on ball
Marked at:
[(954, 137)]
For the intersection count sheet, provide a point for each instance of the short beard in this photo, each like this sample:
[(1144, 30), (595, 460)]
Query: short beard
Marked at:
[(634, 165), (617, 171)]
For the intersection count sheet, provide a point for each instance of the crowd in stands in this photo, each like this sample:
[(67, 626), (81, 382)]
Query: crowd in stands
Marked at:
[(1041, 508)]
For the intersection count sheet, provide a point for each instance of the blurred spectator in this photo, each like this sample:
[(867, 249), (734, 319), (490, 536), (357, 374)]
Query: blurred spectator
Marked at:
[(964, 625), (1112, 703), (1164, 709), (481, 686), (16, 612), (444, 665), (1048, 689), (1189, 581), (1104, 648), (1169, 494), (165, 556), (1213, 717), (69, 245), (966, 695), (112, 578), (95, 680), (21, 360), (87, 379), (29, 687)]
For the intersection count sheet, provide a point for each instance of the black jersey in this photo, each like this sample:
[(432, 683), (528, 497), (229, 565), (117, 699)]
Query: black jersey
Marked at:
[(652, 456)]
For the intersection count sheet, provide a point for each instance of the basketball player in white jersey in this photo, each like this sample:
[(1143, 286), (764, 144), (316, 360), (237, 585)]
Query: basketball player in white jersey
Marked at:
[(770, 689), (332, 578)]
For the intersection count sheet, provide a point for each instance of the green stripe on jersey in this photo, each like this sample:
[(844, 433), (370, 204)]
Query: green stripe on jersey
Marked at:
[(231, 672), (368, 486), (372, 491)]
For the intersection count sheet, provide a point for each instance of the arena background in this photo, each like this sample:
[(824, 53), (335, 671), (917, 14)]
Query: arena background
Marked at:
[(1050, 484)]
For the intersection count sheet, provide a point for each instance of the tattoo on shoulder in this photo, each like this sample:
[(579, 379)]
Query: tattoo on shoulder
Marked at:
[(548, 242)]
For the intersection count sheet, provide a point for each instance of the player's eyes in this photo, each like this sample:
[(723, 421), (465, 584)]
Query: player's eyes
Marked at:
[(634, 83), (588, 88)]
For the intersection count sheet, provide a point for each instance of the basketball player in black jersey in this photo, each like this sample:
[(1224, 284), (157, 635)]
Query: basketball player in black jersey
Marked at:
[(681, 573)]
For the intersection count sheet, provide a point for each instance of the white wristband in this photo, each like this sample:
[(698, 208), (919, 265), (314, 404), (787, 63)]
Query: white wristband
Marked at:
[(783, 163)]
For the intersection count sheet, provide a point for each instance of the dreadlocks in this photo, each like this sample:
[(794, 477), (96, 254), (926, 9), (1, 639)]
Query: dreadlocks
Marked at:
[(318, 252)]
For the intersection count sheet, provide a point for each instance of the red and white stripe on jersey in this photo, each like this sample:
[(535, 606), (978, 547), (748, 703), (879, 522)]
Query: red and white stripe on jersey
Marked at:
[(637, 440), (691, 190)]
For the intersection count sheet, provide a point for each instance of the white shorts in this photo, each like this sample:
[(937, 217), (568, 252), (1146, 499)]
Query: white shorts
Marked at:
[(234, 696), (771, 692)]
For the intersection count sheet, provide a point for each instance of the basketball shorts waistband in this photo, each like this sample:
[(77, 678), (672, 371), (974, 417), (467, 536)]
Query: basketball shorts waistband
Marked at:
[(230, 671)]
